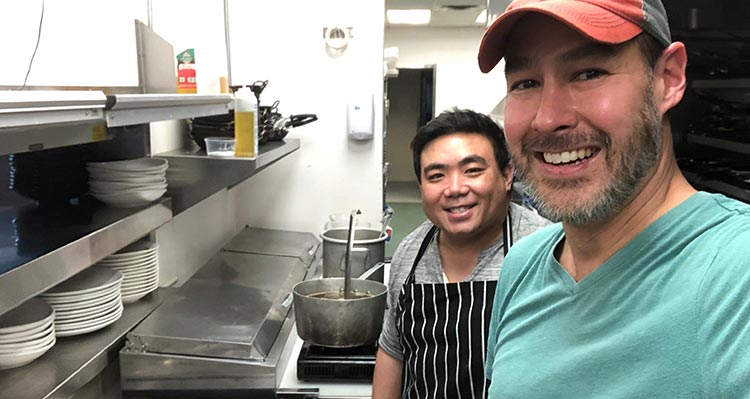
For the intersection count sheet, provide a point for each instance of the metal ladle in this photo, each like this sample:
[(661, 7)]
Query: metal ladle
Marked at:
[(349, 245)]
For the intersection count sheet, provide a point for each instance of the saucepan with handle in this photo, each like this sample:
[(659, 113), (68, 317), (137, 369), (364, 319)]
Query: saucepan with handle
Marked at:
[(340, 312)]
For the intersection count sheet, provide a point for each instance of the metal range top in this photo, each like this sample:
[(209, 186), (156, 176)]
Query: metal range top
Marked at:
[(226, 327)]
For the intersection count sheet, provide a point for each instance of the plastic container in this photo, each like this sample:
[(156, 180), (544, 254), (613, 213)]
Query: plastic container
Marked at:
[(220, 146), (245, 124)]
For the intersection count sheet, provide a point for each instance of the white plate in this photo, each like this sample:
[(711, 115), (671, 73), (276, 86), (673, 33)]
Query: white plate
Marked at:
[(130, 198), (141, 288), (22, 358), (133, 276), (135, 272), (26, 316), (148, 187), (84, 300), (132, 179), (133, 260), (128, 177), (83, 313), (108, 186), (137, 290), (30, 346), (93, 326), (133, 165), (140, 278), (137, 295), (28, 335), (105, 311), (90, 280)]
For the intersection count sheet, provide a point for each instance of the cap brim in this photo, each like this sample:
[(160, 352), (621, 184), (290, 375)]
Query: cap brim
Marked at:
[(589, 20)]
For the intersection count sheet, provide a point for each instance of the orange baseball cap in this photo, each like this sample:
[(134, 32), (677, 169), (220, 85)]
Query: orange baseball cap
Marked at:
[(607, 21)]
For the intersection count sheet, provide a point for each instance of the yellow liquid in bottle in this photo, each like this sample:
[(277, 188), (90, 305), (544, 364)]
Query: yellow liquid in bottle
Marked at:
[(245, 144)]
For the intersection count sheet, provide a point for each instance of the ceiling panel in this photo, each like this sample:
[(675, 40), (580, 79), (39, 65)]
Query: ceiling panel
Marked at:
[(445, 13)]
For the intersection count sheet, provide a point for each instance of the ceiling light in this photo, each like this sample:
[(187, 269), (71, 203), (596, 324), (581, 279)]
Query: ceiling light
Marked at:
[(482, 17), (410, 17)]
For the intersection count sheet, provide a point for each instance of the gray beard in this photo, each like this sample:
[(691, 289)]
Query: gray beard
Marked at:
[(640, 154)]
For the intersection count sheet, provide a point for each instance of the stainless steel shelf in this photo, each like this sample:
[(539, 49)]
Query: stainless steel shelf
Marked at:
[(40, 248), (133, 109), (35, 120), (727, 145), (719, 187), (193, 176), (74, 361)]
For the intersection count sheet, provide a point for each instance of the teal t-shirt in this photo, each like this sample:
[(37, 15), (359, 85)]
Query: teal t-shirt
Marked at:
[(667, 316)]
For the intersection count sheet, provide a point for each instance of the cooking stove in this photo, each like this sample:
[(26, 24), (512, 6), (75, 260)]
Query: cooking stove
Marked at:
[(320, 363)]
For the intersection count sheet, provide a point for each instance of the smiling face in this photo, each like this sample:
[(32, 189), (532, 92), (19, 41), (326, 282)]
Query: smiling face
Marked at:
[(464, 192), (580, 122)]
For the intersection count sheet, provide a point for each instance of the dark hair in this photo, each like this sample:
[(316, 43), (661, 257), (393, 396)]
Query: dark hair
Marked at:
[(459, 121), (650, 47)]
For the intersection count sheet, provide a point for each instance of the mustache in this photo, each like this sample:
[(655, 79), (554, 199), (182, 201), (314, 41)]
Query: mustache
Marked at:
[(564, 141)]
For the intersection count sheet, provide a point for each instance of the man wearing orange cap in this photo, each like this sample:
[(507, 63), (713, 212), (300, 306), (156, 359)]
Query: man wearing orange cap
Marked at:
[(643, 289)]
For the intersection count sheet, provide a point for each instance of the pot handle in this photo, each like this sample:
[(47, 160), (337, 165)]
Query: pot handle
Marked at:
[(300, 120), (313, 248), (372, 270), (287, 301)]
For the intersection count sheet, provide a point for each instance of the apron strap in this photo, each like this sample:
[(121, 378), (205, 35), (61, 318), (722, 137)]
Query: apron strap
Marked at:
[(507, 233), (422, 249)]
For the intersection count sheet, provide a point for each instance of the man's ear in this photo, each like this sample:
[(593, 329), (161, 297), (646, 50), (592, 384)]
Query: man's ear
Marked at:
[(669, 77), (508, 175)]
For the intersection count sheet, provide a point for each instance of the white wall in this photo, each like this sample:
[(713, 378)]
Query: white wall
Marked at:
[(454, 52), (282, 41), (82, 42), (197, 24)]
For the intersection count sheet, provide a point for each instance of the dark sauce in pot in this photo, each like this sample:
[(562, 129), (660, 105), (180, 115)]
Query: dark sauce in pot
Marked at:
[(339, 295)]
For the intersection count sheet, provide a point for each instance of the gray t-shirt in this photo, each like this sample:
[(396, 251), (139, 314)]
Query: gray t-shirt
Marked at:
[(430, 268)]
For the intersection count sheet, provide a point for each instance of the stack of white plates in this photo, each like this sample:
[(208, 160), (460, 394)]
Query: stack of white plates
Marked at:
[(86, 302), (129, 183), (139, 265), (26, 332)]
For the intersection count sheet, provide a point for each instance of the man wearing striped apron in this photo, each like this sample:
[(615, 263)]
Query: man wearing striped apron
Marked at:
[(443, 274)]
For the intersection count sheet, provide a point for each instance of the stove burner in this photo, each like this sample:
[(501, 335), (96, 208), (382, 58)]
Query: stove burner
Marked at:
[(322, 363)]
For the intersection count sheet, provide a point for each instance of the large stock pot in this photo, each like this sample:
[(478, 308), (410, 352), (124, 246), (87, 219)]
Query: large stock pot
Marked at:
[(367, 251)]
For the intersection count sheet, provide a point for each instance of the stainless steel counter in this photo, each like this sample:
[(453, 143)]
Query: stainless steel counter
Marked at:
[(226, 328), (74, 361)]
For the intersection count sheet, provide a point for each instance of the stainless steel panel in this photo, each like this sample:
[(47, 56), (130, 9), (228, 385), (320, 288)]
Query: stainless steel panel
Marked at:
[(38, 120), (39, 249), (156, 71), (74, 361), (275, 242), (193, 176), (144, 371), (133, 109), (232, 308)]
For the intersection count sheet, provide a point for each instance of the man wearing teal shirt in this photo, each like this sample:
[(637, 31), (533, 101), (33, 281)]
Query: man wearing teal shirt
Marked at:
[(643, 289)]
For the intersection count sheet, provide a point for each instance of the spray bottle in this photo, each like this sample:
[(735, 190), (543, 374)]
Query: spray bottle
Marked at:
[(245, 124)]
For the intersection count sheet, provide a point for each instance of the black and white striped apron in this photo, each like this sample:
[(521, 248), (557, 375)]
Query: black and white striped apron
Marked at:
[(443, 329)]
